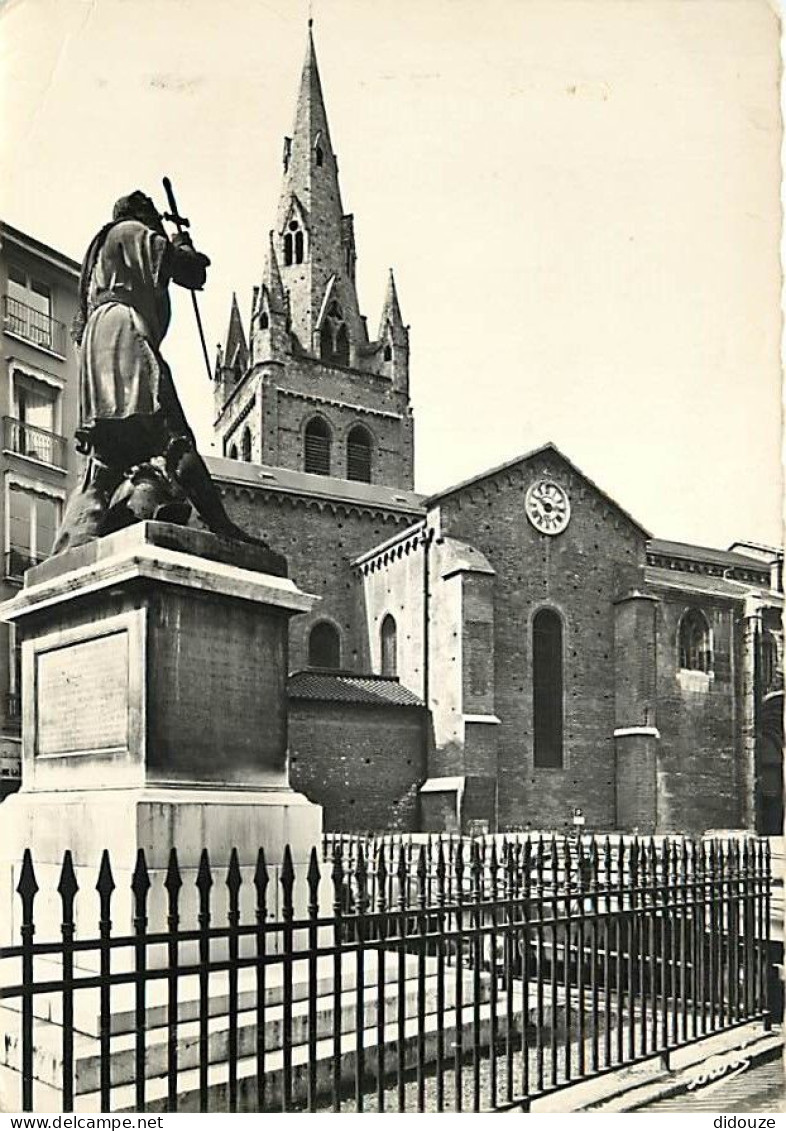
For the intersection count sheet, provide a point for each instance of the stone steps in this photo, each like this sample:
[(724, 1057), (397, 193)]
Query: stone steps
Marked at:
[(48, 1035), (48, 1031)]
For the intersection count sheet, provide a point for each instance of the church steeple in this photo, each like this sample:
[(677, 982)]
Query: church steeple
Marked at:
[(393, 339), (316, 396), (314, 240)]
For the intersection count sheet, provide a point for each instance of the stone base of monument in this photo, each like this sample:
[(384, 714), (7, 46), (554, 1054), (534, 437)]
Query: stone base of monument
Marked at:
[(154, 717)]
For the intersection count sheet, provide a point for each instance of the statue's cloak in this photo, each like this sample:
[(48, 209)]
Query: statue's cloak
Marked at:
[(121, 369)]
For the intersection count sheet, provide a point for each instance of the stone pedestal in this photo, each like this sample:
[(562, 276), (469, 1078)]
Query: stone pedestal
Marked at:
[(154, 716)]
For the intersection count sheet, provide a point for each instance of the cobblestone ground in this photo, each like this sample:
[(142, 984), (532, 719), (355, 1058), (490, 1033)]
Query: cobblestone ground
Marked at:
[(759, 1089)]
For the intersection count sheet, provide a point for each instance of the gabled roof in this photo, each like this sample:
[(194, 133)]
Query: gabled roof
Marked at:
[(551, 448), (346, 687)]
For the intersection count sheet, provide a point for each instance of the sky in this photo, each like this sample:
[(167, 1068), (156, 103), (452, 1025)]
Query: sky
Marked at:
[(579, 198)]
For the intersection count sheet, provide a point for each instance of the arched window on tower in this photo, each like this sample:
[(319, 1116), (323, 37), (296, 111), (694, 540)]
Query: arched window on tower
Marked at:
[(264, 321), (695, 643), (388, 352), (294, 244), (232, 453), (324, 646), (388, 642), (316, 455), (333, 338), (245, 445), (320, 155), (359, 454), (547, 680)]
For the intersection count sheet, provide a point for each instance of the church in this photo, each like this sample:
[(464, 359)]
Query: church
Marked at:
[(514, 652)]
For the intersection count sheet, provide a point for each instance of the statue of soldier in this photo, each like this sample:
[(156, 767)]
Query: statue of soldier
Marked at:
[(142, 458)]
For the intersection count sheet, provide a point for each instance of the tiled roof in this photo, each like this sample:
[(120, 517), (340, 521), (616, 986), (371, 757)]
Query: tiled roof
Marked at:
[(344, 687), (708, 554), (281, 479), (708, 585)]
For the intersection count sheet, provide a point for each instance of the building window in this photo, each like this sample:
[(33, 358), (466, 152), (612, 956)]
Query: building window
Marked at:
[(316, 456), (547, 689), (264, 321), (324, 646), (33, 520), (28, 311), (769, 662), (359, 454), (320, 155), (294, 244), (245, 445), (33, 429), (333, 338), (232, 453), (695, 642), (388, 352), (389, 646)]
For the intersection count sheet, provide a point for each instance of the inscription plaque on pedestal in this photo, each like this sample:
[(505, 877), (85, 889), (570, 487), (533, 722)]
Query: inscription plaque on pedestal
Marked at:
[(82, 697)]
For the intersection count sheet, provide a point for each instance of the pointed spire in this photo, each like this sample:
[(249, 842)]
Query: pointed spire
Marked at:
[(391, 311), (272, 289), (236, 349)]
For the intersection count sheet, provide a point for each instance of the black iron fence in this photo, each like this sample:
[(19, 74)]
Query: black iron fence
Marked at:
[(449, 976)]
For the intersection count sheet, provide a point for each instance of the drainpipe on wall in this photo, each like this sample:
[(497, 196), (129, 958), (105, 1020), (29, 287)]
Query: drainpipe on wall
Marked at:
[(750, 706), (427, 539)]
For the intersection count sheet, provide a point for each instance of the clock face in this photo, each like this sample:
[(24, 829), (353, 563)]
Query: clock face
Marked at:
[(547, 506)]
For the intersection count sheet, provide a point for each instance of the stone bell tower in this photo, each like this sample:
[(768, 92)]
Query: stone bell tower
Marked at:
[(305, 388)]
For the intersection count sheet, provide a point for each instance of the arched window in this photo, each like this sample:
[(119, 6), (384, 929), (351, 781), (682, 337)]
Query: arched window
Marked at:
[(232, 453), (333, 338), (320, 154), (294, 244), (769, 662), (264, 321), (359, 454), (694, 642), (245, 445), (547, 689), (324, 646), (387, 353), (387, 635), (316, 457)]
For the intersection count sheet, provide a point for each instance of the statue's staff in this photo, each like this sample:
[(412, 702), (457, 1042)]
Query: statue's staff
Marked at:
[(181, 222)]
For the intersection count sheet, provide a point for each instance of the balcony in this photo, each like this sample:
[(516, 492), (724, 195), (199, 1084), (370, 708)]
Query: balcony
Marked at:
[(35, 443), (18, 559), (34, 326)]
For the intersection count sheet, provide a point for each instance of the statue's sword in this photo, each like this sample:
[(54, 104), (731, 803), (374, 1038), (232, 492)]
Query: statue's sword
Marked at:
[(182, 223)]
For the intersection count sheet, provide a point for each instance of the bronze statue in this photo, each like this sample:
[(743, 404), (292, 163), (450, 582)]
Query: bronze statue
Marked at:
[(142, 458)]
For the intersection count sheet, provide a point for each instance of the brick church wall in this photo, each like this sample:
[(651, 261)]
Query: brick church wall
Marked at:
[(363, 764), (699, 783), (320, 539), (304, 387), (578, 573)]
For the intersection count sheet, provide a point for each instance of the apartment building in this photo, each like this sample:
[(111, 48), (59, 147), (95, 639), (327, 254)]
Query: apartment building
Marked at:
[(38, 464)]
